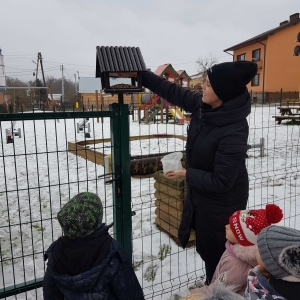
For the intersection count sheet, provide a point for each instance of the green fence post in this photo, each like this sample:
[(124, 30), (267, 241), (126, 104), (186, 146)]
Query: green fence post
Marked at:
[(126, 180), (116, 170), (121, 176)]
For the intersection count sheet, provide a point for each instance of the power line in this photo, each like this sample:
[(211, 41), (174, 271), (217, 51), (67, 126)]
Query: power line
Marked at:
[(79, 65), (19, 54), (69, 64), (50, 68)]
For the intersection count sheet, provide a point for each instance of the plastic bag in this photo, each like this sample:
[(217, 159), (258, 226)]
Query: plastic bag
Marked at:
[(172, 162)]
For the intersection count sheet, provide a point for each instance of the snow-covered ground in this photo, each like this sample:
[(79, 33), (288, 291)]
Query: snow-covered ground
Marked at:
[(38, 175)]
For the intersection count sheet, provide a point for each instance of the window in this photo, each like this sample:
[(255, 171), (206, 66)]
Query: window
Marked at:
[(256, 55), (241, 57), (255, 80)]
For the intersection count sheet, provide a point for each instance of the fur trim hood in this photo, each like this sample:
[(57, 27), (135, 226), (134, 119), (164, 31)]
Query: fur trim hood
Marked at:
[(221, 291), (289, 259), (246, 253)]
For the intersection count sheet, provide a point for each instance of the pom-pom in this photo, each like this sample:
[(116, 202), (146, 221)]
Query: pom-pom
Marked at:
[(273, 213)]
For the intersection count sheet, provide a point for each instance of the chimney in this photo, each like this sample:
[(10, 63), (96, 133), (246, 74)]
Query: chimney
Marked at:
[(283, 23), (294, 17)]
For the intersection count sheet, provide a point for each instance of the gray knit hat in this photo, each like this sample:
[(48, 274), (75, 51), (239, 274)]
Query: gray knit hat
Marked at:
[(81, 216), (279, 249)]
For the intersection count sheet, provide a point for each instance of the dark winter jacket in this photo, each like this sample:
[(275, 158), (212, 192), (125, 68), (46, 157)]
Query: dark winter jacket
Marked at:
[(288, 289), (216, 173), (105, 277)]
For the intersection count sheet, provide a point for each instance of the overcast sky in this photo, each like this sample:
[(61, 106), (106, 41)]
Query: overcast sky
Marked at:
[(67, 32)]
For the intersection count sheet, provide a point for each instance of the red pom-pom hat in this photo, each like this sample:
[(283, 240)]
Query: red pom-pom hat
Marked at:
[(247, 224)]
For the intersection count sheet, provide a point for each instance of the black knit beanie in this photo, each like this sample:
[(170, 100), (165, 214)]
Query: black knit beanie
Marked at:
[(229, 79), (81, 216)]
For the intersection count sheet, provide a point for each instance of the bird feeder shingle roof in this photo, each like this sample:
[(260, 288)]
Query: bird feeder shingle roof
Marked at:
[(113, 59)]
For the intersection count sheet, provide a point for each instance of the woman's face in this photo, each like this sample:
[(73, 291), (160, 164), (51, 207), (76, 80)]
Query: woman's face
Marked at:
[(209, 96), (230, 236)]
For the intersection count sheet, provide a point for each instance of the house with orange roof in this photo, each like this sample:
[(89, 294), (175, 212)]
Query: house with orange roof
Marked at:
[(278, 66)]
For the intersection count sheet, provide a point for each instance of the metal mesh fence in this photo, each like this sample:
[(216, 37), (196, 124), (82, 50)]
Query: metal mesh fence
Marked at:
[(39, 174)]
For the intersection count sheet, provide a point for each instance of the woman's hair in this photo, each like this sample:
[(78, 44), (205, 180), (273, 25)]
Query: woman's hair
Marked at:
[(265, 272)]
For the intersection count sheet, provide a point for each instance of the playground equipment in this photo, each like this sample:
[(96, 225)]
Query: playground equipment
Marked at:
[(85, 127), (177, 114), (153, 105), (12, 132)]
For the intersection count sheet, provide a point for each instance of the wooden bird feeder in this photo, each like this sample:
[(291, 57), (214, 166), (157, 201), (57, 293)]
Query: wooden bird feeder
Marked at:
[(113, 60)]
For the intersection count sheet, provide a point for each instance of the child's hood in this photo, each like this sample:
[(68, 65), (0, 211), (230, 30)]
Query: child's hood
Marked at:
[(246, 253)]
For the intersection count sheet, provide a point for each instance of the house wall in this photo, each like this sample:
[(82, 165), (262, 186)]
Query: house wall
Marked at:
[(196, 81), (281, 67)]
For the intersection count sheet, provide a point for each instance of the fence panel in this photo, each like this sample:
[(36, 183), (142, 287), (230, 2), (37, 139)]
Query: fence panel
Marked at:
[(40, 175), (40, 171), (163, 267)]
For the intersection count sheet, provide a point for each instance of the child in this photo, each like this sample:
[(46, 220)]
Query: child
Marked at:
[(239, 256), (87, 263), (278, 273)]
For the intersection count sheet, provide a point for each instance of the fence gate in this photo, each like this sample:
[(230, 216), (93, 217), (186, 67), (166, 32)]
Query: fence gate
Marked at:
[(42, 165)]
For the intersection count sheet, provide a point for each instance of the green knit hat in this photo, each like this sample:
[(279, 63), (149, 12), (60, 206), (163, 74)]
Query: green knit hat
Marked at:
[(81, 216)]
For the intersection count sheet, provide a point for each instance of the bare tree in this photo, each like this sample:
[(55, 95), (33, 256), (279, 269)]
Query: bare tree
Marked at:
[(206, 62), (17, 96), (69, 87)]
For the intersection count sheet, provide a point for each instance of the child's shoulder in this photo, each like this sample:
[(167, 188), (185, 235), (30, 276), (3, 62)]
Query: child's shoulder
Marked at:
[(246, 253), (116, 247)]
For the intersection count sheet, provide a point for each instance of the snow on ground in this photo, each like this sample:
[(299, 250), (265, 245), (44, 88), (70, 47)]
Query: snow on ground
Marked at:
[(38, 175)]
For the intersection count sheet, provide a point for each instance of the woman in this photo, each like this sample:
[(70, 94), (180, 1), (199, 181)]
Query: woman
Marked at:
[(215, 153)]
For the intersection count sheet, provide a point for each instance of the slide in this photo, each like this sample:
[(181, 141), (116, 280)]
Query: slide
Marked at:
[(177, 114)]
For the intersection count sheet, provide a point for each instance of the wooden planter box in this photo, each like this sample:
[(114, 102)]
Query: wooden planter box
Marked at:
[(170, 195)]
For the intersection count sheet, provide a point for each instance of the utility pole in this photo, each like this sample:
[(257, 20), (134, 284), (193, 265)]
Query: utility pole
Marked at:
[(75, 83), (41, 62), (37, 68), (62, 85)]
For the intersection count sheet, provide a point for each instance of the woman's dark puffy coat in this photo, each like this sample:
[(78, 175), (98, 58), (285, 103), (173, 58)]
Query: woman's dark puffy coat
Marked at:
[(216, 174), (92, 268)]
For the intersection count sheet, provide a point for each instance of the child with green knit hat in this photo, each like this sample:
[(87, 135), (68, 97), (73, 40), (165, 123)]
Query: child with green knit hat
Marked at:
[(87, 263)]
